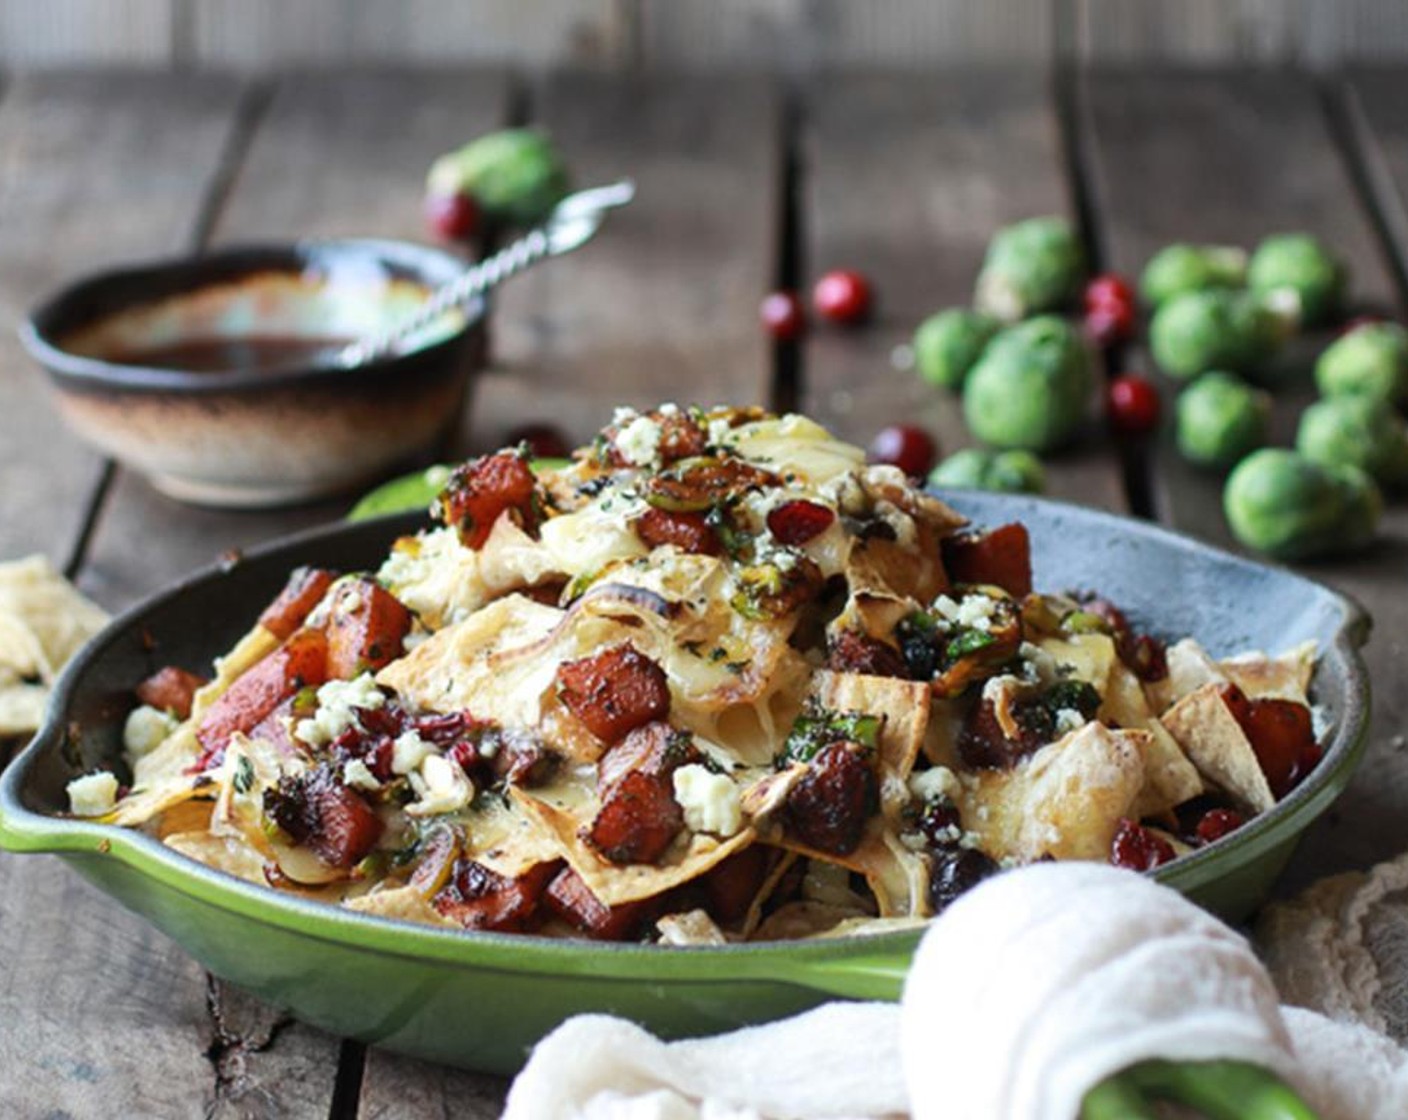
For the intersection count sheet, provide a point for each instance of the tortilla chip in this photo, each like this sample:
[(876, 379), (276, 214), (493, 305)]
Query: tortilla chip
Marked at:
[(693, 927), (1065, 801), (1210, 735), (34, 594), (803, 918), (1189, 668), (229, 854), (1084, 657), (1285, 677), (869, 927), (22, 708), (613, 884), (1169, 777), (781, 866), (506, 839), (405, 903)]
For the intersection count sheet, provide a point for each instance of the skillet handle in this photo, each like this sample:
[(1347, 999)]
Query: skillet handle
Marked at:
[(22, 829)]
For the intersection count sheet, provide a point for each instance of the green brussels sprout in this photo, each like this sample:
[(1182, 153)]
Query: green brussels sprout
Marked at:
[(1371, 360), (1180, 268), (516, 175), (1297, 263), (1034, 265), (1031, 388), (1200, 331), (1009, 472), (1290, 507), (947, 345), (1360, 431), (1221, 419)]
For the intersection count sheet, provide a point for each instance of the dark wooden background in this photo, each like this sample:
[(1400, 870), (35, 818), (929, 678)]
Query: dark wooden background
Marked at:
[(745, 182)]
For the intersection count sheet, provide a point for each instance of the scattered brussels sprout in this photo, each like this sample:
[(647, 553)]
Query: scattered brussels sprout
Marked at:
[(515, 175), (1290, 507), (1371, 360), (1008, 472), (1299, 264), (1221, 419), (1031, 388), (1180, 268), (1200, 331), (1359, 431), (947, 345), (1034, 265)]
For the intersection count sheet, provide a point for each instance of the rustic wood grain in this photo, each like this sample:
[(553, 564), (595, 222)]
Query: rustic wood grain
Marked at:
[(1232, 157), (87, 32), (101, 1015), (271, 33), (663, 304), (804, 35), (1190, 31), (399, 1088), (906, 179), (93, 171), (332, 155)]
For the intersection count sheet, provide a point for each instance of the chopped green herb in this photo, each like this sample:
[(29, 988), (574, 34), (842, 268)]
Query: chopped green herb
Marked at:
[(244, 775), (965, 643), (817, 728)]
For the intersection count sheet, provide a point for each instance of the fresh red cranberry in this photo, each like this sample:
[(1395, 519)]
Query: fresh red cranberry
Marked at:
[(783, 315), (1136, 848), (543, 440), (452, 217), (904, 446), (1217, 823), (1132, 403), (1110, 309), (842, 296), (797, 522)]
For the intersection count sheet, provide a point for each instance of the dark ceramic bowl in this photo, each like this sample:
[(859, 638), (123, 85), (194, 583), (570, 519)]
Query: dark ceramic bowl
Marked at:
[(481, 999), (291, 430)]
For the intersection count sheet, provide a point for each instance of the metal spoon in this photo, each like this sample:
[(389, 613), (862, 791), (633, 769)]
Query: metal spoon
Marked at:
[(572, 223)]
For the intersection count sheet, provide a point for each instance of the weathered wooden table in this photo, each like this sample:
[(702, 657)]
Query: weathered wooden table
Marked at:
[(744, 184)]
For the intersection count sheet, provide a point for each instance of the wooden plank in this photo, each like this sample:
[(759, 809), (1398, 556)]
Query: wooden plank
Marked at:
[(36, 33), (1192, 31), (663, 304), (95, 171), (102, 1014), (333, 155), (1225, 157), (906, 181), (399, 1088), (270, 33), (806, 36)]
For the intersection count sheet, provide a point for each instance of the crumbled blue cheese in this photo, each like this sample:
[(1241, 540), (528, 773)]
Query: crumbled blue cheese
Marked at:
[(440, 787), (146, 729), (408, 752), (710, 801), (1068, 720), (639, 442), (937, 781), (92, 795), (719, 430), (337, 701), (975, 612), (350, 603), (358, 775), (1038, 665)]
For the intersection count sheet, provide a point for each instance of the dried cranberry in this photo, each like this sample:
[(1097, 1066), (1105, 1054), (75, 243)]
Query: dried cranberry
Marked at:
[(798, 521), (953, 871), (1137, 848), (938, 819), (1217, 823)]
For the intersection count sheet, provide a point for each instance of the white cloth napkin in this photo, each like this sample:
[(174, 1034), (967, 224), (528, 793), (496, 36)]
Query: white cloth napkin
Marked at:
[(1024, 994)]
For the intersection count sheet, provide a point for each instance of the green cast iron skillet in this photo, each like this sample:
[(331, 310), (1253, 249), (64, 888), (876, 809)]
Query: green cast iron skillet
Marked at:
[(480, 1000)]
